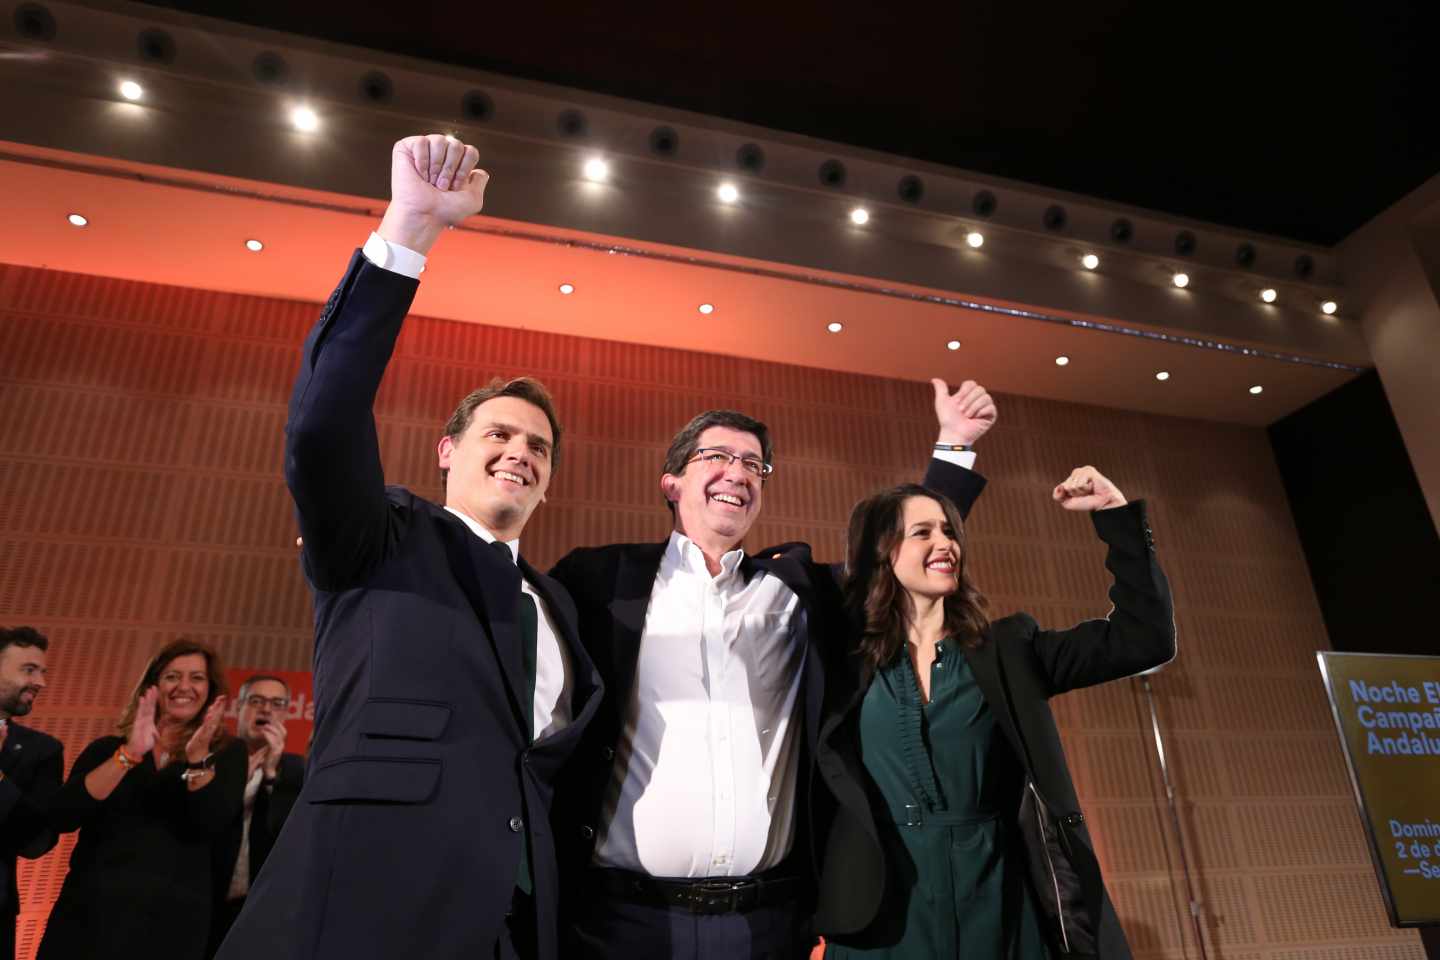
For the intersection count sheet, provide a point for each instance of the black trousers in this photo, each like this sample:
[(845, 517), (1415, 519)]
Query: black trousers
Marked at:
[(609, 928), (517, 937)]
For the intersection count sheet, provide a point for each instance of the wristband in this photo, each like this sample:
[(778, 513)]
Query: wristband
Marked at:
[(954, 447), (124, 759)]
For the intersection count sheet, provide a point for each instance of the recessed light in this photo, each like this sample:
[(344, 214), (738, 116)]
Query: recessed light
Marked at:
[(1257, 389), (567, 288), (254, 246), (596, 169), (835, 326), (727, 192), (1090, 261), (1163, 375), (1329, 307), (707, 308), (975, 238), (131, 90), (1181, 280), (1268, 294), (859, 216), (953, 345), (77, 220), (1061, 361), (305, 119)]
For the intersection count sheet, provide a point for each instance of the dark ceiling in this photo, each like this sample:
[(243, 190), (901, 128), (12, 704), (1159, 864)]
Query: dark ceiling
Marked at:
[(1298, 120)]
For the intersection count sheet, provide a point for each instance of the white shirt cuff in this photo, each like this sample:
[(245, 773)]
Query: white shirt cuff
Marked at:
[(393, 257), (961, 458)]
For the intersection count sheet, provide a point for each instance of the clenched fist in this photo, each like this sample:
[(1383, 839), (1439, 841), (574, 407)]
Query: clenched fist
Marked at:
[(434, 183), (1087, 489)]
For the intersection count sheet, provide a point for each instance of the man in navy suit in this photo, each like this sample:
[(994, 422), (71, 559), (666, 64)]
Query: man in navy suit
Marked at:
[(30, 766), (450, 684)]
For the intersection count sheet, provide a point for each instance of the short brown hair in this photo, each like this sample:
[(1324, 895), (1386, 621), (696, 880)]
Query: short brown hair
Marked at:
[(525, 388), (687, 441)]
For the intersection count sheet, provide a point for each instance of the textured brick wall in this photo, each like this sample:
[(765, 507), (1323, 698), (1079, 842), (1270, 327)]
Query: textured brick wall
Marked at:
[(141, 497)]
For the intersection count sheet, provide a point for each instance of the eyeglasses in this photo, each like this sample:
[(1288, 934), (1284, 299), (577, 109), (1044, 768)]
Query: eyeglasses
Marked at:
[(255, 702), (720, 457)]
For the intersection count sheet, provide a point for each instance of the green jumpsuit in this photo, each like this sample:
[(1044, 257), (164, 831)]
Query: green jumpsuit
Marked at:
[(956, 885)]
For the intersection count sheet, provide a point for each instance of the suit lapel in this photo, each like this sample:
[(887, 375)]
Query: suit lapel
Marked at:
[(634, 582), (493, 589), (990, 675)]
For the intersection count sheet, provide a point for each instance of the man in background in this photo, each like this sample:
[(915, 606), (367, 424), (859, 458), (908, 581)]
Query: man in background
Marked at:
[(274, 781), (31, 764)]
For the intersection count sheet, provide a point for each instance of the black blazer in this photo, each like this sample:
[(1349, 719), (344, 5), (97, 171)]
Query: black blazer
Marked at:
[(1019, 667), (421, 784), (268, 815), (612, 587), (141, 866), (33, 764)]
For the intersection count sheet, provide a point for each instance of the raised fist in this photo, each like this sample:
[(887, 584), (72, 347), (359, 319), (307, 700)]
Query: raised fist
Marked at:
[(1087, 489), (434, 184), (965, 415)]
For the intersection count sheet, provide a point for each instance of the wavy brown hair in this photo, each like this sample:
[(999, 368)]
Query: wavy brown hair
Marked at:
[(877, 603), (214, 672)]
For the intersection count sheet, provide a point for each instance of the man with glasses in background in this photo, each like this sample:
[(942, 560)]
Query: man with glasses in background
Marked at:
[(274, 781), (685, 819)]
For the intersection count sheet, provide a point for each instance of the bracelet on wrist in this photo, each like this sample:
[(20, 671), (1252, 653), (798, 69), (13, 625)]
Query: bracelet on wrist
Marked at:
[(122, 757), (954, 447)]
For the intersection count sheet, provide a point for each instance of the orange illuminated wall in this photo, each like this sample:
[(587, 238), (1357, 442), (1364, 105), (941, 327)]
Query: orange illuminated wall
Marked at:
[(141, 497)]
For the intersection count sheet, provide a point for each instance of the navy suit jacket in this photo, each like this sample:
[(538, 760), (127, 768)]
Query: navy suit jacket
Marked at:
[(421, 784), (32, 763)]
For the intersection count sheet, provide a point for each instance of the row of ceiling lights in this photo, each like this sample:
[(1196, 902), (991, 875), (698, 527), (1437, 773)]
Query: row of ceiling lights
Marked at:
[(835, 326), (596, 169)]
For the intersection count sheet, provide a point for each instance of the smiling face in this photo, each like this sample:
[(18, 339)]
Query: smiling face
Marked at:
[(926, 560), (22, 677), (715, 503), (184, 686), (499, 468)]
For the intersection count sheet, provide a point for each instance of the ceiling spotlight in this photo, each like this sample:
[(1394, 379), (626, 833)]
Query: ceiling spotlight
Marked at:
[(1257, 389), (975, 238), (254, 246), (77, 220), (131, 90), (1061, 361), (835, 326), (859, 216), (1268, 294), (953, 345), (1329, 307), (305, 119), (727, 192), (1090, 261), (707, 308), (1163, 375), (596, 169), (567, 288), (1181, 280)]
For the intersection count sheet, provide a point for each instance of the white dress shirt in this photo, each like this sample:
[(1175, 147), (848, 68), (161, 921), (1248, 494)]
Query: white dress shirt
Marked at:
[(554, 678), (706, 765), (240, 877)]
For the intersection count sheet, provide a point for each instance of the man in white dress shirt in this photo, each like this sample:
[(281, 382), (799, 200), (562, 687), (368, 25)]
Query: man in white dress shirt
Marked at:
[(684, 822)]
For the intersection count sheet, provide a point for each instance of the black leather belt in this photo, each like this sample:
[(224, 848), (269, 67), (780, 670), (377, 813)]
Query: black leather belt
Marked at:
[(707, 895)]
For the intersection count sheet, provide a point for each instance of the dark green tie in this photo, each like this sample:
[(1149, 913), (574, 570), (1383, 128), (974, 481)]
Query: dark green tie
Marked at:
[(528, 618)]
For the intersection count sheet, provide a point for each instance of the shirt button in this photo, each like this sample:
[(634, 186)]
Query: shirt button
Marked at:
[(608, 753), (516, 824), (587, 832)]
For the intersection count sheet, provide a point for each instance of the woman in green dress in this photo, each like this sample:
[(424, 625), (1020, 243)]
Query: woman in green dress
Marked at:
[(955, 828)]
